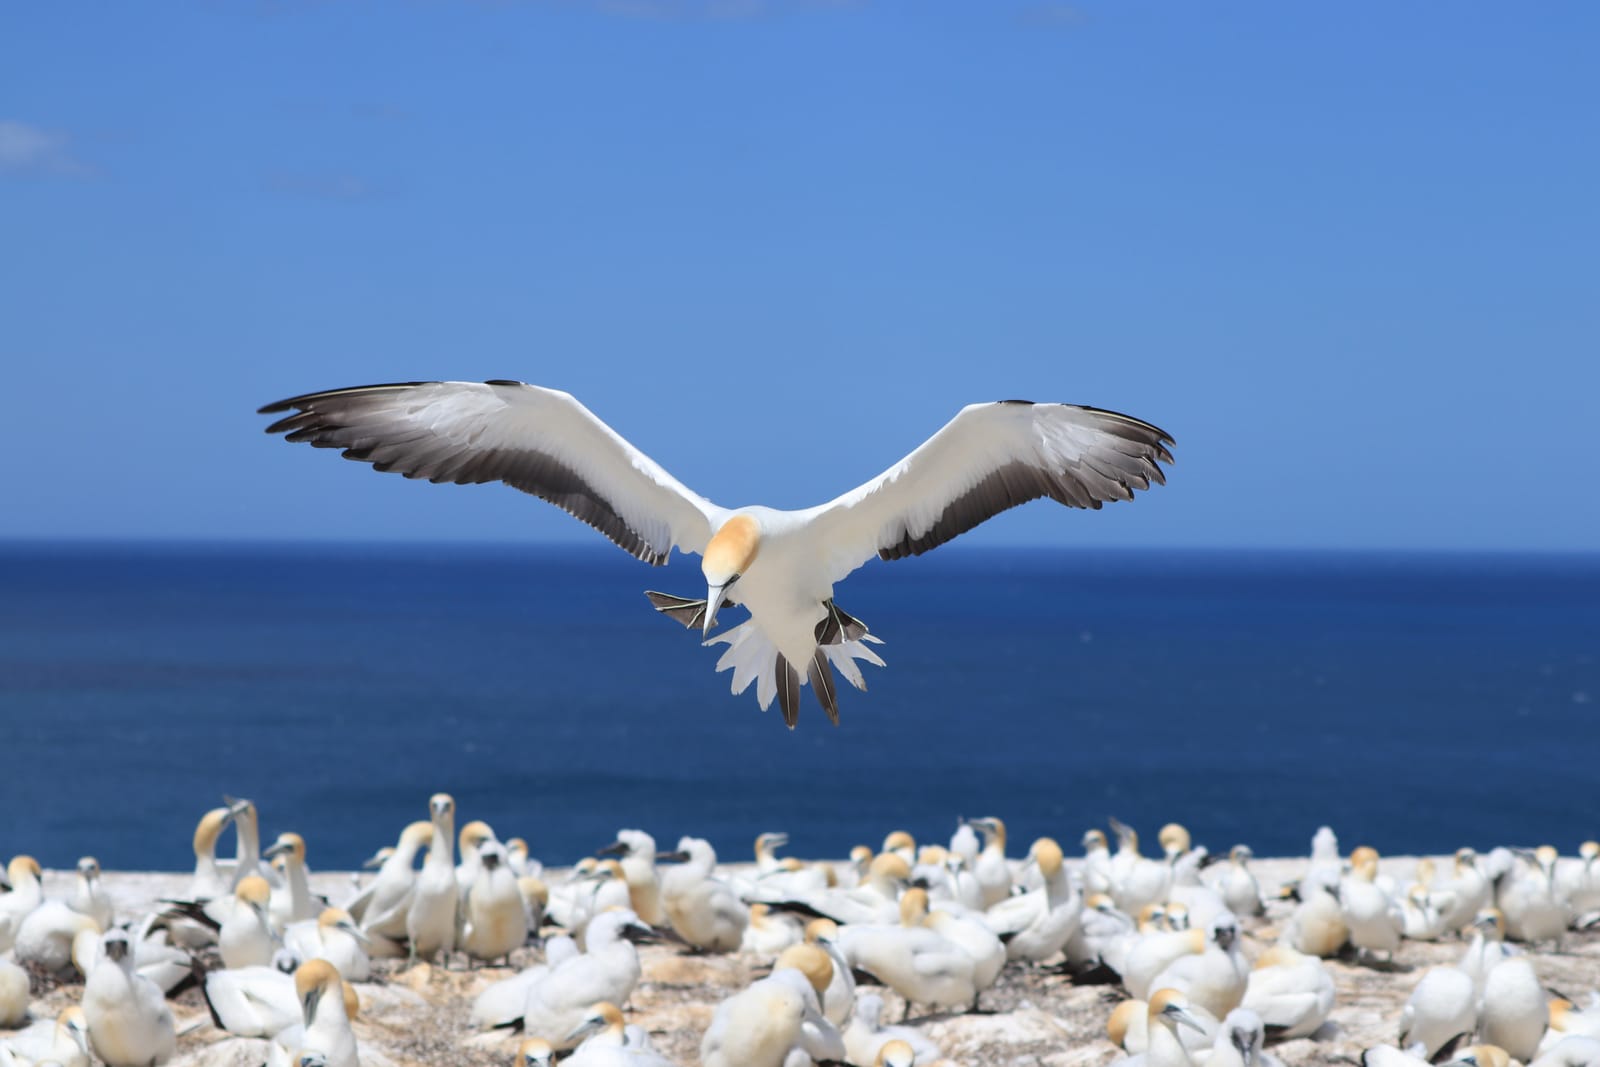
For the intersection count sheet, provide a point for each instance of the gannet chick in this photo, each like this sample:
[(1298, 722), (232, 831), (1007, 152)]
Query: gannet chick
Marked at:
[(63, 1040), (431, 916), (1215, 978), (769, 934), (638, 858), (496, 918), (1528, 899), (535, 1052), (1374, 921), (501, 1003), (90, 897), (558, 1000), (916, 962), (839, 998), (246, 938), (390, 900), (14, 993), (702, 909), (1441, 1006), (991, 869), (292, 902), (1512, 1012), (128, 1020), (1290, 991)]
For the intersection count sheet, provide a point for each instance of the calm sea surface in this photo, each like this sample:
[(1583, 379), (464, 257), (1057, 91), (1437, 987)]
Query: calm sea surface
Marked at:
[(1412, 702)]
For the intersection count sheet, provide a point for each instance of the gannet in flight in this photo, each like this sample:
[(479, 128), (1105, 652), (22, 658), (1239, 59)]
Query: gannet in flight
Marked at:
[(779, 565)]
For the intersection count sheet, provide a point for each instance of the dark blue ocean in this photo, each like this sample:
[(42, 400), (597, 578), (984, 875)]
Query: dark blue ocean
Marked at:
[(1414, 702)]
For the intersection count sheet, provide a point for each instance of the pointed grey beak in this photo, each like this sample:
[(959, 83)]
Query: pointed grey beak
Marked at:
[(713, 602)]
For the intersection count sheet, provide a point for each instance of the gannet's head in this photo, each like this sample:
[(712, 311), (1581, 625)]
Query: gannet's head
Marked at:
[(1047, 854), (22, 869), (1492, 922), (1093, 840), (1170, 1008), (1425, 871), (1224, 931), (860, 857), (992, 828), (535, 1052), (1127, 836), (766, 842), (1175, 840), (441, 806), (1175, 914), (896, 1053), (534, 891), (240, 809), (1240, 854), (254, 891), (728, 556), (603, 1015), (1122, 1017), (516, 851), (210, 827), (288, 843), (901, 842), (339, 919), (1360, 855), (1589, 851), (913, 907), (1484, 1056), (76, 1025), (313, 981), (1246, 1033), (416, 834), (116, 944), (931, 856), (473, 835), (89, 868), (821, 931), (810, 961), (889, 867)]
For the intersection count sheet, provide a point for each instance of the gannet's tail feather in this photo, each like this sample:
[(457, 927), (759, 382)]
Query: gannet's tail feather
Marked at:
[(752, 657)]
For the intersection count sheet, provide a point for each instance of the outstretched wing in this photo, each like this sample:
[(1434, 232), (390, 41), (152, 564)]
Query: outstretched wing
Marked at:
[(989, 458), (541, 441)]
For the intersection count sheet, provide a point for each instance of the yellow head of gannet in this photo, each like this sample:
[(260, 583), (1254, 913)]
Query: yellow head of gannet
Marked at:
[(823, 931), (895, 1053), (1589, 851), (1492, 922), (1151, 917), (1175, 840), (1240, 854), (254, 891), (1170, 1008), (728, 556), (1483, 1056), (860, 858), (474, 834), (1094, 841), (601, 1016), (1127, 837), (314, 982), (810, 961), (533, 890), (1122, 1017), (913, 907), (1361, 854), (767, 842), (339, 919), (23, 869), (1046, 856), (901, 842), (931, 856), (889, 870), (288, 843), (535, 1052), (206, 832), (993, 830)]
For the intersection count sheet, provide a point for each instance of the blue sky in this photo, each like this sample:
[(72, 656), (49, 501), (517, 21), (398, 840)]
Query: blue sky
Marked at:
[(1349, 256)]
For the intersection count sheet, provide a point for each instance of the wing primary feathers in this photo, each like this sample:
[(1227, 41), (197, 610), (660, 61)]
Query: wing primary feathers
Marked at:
[(788, 680)]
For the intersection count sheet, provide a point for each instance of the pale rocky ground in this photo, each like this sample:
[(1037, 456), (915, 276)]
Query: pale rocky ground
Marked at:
[(420, 1016)]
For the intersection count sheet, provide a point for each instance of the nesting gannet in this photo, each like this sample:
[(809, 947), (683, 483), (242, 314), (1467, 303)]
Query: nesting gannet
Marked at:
[(502, 1003), (866, 1035), (45, 937), (897, 1053), (292, 902), (1512, 1012), (431, 915), (334, 937), (779, 565), (63, 1040), (246, 938), (389, 899), (808, 970), (637, 850), (326, 1011), (1373, 919), (496, 920), (967, 931), (127, 1016), (1442, 1005), (1128, 1027), (1236, 885), (702, 908), (875, 900), (1038, 924), (991, 869), (1317, 926), (606, 1044), (1153, 952), (1136, 880), (1215, 978), (1290, 991), (1168, 1011), (920, 964), (1528, 898), (253, 1001), (606, 971), (1239, 1042), (839, 997), (1565, 1019), (769, 933)]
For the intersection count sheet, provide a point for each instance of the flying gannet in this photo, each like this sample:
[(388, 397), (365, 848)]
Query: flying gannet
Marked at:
[(781, 566)]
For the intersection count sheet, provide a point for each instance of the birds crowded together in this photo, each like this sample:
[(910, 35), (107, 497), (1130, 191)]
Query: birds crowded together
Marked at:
[(1185, 957)]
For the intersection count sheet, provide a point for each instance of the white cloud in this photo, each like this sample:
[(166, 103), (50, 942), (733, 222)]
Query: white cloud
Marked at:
[(26, 149)]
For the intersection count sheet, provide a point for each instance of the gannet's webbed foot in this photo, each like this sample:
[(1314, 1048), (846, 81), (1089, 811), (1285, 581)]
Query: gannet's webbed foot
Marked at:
[(838, 626), (690, 613)]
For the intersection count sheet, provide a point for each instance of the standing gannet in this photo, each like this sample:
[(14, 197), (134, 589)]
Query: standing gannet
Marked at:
[(292, 902), (1038, 924), (840, 996), (90, 897), (1442, 1005), (1512, 1012), (1236, 885), (703, 909), (638, 852), (327, 1013), (779, 565), (383, 915), (495, 919), (431, 916), (128, 1019)]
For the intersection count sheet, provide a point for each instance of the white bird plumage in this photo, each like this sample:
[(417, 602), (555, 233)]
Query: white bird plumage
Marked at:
[(780, 565)]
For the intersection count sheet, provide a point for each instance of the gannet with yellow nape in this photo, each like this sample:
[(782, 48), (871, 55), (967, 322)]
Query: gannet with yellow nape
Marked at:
[(779, 565)]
